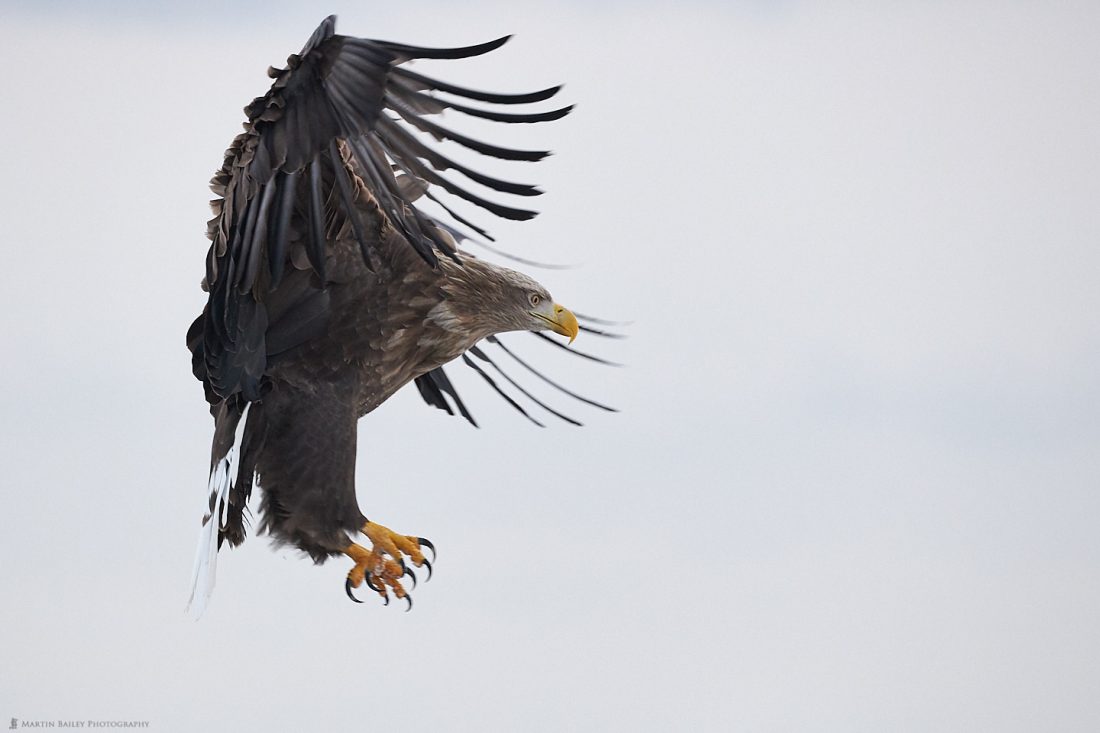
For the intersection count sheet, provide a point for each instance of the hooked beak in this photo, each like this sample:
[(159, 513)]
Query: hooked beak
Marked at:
[(562, 321)]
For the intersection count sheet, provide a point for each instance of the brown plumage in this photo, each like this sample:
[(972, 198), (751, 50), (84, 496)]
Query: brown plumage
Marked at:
[(329, 289)]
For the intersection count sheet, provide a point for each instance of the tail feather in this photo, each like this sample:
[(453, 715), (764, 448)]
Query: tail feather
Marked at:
[(224, 477)]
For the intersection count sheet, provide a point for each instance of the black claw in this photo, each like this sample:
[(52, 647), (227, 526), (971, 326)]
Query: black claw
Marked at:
[(410, 600), (424, 543), (371, 585), (411, 574), (347, 588), (387, 600), (429, 566)]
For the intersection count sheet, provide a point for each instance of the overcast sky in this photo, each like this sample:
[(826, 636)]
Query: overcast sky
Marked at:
[(853, 482)]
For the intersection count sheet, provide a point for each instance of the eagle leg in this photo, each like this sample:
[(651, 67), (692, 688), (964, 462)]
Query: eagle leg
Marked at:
[(383, 565)]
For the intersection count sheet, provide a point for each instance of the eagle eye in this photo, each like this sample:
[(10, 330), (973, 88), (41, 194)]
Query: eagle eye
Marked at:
[(535, 299)]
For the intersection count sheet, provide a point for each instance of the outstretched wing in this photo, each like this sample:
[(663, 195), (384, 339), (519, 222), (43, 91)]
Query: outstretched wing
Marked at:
[(435, 386), (343, 104)]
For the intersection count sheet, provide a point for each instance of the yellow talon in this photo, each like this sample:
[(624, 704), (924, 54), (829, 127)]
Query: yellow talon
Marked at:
[(378, 570)]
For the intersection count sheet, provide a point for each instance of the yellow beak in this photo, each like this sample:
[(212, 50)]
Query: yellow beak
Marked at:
[(563, 322)]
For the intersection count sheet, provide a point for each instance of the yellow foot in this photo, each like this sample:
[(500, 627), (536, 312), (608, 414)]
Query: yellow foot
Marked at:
[(381, 572)]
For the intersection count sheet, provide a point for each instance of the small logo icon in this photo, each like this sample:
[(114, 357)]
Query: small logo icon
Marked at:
[(14, 723)]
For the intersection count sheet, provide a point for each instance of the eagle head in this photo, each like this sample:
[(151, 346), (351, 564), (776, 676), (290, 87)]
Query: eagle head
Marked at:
[(482, 299)]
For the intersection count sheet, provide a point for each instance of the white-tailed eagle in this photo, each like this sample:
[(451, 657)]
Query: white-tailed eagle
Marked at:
[(329, 290)]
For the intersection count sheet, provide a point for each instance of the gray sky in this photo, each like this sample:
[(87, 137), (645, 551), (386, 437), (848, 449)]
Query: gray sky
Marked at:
[(853, 486)]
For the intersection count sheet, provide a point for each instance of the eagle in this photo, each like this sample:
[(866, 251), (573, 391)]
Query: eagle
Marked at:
[(329, 289)]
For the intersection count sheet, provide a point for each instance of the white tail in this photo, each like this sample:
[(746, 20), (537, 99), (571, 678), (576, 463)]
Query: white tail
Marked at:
[(223, 478)]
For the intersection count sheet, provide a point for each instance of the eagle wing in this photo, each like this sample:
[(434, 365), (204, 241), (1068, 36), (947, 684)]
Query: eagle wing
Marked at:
[(342, 104)]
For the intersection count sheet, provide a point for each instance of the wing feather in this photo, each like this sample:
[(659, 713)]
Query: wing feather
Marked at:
[(340, 115), (419, 81), (485, 358), (507, 398)]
